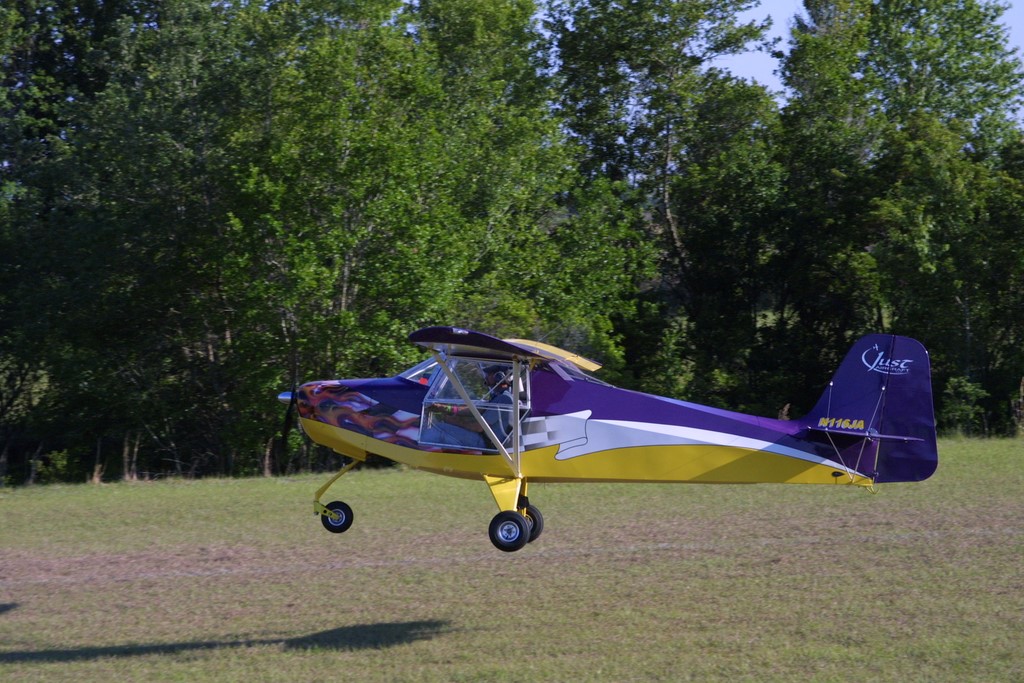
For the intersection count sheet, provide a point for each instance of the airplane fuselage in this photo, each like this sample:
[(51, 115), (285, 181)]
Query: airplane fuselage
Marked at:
[(577, 429)]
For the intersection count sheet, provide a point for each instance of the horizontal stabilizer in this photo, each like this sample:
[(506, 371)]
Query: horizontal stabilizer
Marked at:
[(875, 436)]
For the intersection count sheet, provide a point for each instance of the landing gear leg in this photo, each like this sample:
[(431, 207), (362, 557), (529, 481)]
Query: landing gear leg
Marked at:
[(336, 516)]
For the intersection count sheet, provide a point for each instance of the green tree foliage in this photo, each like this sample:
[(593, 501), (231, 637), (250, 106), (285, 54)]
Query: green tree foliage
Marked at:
[(203, 204), (821, 289), (262, 194), (962, 412), (55, 60), (686, 148), (139, 235), (949, 88), (948, 59), (897, 116)]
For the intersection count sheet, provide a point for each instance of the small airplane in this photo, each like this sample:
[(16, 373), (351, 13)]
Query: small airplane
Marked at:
[(514, 412)]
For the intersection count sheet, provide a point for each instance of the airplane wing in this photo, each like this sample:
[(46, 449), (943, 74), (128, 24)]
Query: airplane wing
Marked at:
[(460, 342), (455, 341), (555, 353)]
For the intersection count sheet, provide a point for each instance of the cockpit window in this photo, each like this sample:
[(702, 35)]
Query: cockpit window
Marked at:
[(421, 373), (571, 371), (472, 374), (447, 419)]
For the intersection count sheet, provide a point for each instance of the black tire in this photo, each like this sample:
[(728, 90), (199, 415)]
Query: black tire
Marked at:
[(536, 521), (341, 525), (509, 531)]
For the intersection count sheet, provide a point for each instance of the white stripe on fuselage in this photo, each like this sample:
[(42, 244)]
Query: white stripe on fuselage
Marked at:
[(605, 435)]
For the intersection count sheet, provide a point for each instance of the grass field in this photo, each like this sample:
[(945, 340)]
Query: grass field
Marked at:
[(235, 580)]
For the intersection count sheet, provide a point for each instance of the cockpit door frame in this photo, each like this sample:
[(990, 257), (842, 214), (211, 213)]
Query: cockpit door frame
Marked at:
[(513, 459)]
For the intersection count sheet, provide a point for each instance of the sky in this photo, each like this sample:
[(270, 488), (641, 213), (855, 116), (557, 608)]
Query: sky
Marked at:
[(760, 66)]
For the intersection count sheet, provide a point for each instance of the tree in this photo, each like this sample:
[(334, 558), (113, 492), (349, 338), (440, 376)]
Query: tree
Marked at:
[(819, 280), (950, 86), (949, 59), (406, 172), (122, 200), (655, 121), (55, 62), (893, 138)]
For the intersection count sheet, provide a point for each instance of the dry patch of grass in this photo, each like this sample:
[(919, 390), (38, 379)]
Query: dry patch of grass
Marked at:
[(236, 580)]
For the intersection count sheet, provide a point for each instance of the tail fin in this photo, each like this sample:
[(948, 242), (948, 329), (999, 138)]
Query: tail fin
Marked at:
[(882, 391)]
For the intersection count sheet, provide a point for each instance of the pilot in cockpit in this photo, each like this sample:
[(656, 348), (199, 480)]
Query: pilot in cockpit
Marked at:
[(456, 425)]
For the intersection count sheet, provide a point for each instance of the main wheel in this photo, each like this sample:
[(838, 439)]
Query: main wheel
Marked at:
[(343, 522), (509, 531), (536, 522)]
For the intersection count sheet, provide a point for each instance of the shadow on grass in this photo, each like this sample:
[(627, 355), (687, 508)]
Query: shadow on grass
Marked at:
[(7, 606), (358, 637)]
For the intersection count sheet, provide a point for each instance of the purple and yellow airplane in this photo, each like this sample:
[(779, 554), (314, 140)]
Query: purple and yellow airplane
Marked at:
[(512, 412)]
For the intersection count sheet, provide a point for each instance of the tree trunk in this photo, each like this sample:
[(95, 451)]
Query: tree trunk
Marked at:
[(268, 458), (130, 456), (34, 465), (3, 462), (97, 468)]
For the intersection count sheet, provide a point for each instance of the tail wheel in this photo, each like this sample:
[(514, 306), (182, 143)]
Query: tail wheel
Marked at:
[(509, 531), (536, 521), (344, 521)]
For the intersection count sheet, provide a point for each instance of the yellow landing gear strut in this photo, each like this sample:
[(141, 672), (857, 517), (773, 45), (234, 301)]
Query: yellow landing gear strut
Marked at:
[(336, 516)]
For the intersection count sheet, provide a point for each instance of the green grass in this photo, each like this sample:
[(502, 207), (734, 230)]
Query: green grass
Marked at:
[(235, 580)]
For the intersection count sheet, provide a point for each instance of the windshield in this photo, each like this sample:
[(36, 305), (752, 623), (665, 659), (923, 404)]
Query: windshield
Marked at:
[(421, 372), (480, 379)]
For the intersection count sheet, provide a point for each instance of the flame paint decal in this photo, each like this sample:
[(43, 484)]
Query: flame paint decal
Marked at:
[(335, 404)]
